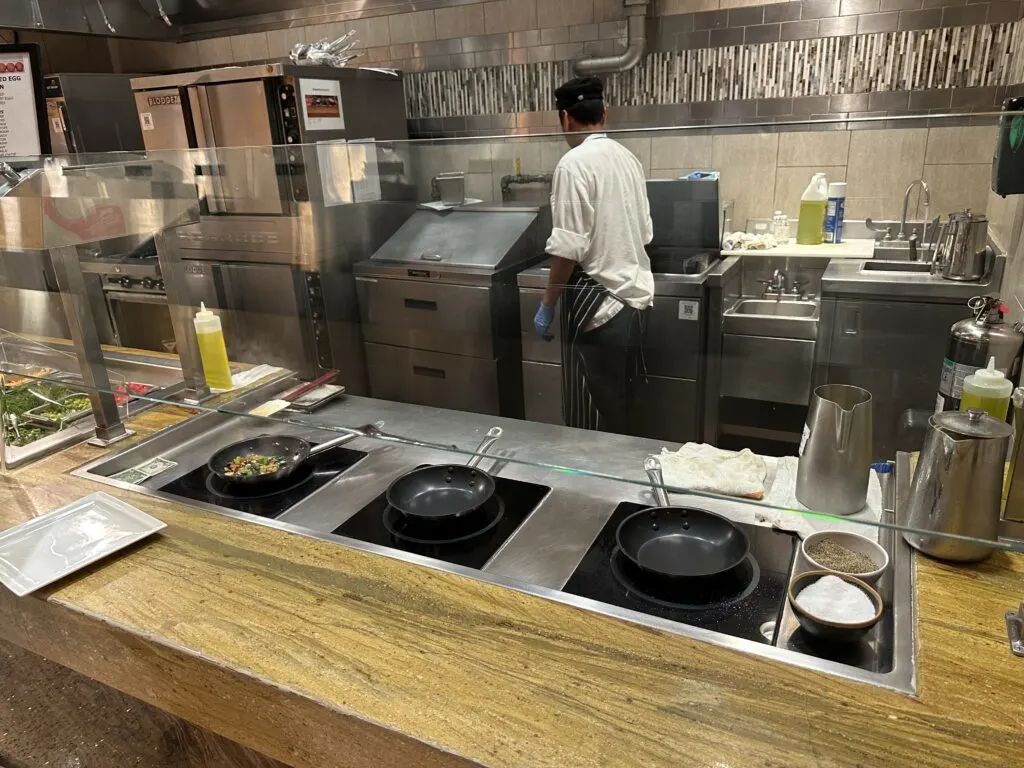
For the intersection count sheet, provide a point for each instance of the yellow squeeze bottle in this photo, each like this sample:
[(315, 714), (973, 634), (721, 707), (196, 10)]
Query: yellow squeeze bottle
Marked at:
[(212, 351), (988, 389)]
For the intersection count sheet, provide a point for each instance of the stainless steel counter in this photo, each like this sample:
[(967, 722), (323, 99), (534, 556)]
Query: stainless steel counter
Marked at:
[(852, 277), (542, 554)]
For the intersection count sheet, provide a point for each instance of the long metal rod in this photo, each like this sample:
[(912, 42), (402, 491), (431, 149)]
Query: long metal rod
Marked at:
[(180, 307), (74, 294)]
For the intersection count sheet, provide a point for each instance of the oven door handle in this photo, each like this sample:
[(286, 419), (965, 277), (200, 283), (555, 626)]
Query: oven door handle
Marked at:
[(138, 298)]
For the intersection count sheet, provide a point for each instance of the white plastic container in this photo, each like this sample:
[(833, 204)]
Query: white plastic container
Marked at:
[(835, 210), (810, 228), (212, 350), (988, 389)]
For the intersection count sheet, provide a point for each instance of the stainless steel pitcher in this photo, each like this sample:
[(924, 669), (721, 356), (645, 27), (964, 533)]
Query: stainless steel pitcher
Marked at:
[(962, 252), (835, 453), (958, 485)]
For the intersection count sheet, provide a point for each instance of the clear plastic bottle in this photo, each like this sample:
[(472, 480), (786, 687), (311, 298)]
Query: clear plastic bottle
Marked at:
[(988, 389), (212, 350)]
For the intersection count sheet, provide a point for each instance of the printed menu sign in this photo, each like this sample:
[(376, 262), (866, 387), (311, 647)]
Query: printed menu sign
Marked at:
[(19, 127)]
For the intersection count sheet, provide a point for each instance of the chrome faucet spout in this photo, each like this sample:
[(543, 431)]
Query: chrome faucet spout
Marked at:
[(902, 235)]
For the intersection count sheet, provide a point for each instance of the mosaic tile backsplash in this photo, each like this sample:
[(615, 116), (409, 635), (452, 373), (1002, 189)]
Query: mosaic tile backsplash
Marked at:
[(950, 57)]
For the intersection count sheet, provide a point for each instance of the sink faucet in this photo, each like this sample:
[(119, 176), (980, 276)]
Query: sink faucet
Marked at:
[(902, 235), (776, 286)]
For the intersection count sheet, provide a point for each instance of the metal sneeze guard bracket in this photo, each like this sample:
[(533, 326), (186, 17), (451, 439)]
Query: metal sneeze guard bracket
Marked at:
[(1015, 630)]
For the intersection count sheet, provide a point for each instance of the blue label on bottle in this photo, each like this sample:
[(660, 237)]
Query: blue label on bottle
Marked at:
[(834, 211)]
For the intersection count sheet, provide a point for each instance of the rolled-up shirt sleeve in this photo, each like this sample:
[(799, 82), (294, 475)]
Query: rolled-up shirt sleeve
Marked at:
[(572, 216)]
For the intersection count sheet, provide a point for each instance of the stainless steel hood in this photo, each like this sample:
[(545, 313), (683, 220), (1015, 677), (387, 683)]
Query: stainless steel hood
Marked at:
[(120, 18)]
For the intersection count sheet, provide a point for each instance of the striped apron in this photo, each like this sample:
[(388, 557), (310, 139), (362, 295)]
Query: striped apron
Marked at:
[(581, 299)]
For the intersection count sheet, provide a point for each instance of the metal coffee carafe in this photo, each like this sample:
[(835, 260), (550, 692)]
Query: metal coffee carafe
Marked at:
[(958, 485), (962, 252), (835, 453)]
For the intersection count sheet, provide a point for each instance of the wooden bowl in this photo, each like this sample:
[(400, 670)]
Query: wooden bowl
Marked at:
[(832, 631)]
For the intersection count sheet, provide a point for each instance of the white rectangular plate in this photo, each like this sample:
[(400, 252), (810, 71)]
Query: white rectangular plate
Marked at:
[(47, 548)]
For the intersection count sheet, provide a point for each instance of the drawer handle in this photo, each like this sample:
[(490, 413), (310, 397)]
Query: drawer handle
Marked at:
[(434, 373), (421, 304), (430, 256)]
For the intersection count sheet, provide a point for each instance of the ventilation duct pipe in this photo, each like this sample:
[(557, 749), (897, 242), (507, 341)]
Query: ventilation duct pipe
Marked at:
[(636, 21)]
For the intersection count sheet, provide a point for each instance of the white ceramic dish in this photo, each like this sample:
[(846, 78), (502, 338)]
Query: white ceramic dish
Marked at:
[(47, 548), (854, 542)]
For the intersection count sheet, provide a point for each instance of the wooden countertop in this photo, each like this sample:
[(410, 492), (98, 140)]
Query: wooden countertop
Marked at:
[(319, 655)]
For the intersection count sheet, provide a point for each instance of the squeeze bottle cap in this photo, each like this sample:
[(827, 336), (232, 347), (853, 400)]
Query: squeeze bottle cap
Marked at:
[(204, 312), (989, 376), (837, 189)]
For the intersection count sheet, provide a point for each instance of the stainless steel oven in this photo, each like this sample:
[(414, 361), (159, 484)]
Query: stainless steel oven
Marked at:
[(270, 252)]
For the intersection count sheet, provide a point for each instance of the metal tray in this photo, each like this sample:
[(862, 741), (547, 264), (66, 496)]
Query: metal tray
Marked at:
[(48, 548), (36, 414)]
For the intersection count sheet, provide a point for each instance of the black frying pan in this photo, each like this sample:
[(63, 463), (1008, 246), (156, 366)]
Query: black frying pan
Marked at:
[(293, 452), (442, 493), (680, 542)]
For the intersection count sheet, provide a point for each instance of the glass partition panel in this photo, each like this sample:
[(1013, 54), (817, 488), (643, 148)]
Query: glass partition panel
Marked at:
[(752, 365)]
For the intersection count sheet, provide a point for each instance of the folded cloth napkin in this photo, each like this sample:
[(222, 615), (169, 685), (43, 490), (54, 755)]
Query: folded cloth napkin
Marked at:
[(702, 467)]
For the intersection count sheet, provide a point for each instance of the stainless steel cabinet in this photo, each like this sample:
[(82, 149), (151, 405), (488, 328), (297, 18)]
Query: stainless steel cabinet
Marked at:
[(534, 347), (672, 344), (893, 349), (767, 369), (670, 410)]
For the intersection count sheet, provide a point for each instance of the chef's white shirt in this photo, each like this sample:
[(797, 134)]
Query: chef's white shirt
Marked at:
[(601, 219)]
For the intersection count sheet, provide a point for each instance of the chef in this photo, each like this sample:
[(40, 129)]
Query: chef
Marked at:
[(601, 221)]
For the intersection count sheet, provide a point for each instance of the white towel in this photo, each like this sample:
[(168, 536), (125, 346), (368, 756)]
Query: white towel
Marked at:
[(702, 467)]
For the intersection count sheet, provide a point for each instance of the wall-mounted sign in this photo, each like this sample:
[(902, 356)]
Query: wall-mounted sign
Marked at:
[(321, 105), (23, 130)]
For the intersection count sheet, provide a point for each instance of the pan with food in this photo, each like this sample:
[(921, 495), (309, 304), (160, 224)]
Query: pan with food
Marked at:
[(269, 458)]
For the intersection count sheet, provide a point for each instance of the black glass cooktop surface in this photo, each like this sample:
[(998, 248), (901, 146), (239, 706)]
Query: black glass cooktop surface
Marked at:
[(737, 604), (270, 499), (471, 543)]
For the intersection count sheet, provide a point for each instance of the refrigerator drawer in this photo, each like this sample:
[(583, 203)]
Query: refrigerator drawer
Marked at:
[(542, 392), (428, 316), (433, 378)]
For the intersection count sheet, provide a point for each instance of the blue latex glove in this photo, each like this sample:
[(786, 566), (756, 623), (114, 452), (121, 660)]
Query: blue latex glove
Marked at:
[(543, 319)]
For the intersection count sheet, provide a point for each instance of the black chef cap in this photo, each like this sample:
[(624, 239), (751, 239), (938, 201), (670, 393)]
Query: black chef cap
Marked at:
[(578, 89)]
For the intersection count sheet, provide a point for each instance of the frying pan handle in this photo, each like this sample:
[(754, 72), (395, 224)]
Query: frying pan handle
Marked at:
[(342, 439), (489, 439), (652, 465)]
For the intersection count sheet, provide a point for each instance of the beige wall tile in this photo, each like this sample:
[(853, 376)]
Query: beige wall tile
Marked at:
[(609, 10), (214, 51), (805, 148), (681, 152), (412, 27), (281, 41), (883, 162), (185, 56), (551, 152), (639, 146), (460, 21), (747, 165), (955, 187), (672, 173), (791, 181), (1005, 216), (562, 13), (961, 144), (739, 3), (504, 153), (510, 16), (667, 7), (252, 47)]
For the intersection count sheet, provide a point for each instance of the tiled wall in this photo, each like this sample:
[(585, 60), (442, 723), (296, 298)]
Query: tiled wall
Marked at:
[(763, 172), (709, 60)]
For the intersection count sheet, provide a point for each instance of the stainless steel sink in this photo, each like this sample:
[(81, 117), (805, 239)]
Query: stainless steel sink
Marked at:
[(785, 318), (899, 250), (919, 267)]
